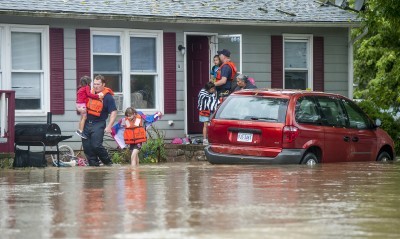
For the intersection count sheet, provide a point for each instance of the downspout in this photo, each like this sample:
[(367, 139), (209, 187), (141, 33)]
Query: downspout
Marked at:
[(350, 55)]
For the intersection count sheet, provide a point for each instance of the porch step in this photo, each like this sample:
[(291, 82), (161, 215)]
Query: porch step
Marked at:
[(185, 152)]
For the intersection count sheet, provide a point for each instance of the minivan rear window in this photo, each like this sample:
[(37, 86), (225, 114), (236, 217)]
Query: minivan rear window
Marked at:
[(253, 108)]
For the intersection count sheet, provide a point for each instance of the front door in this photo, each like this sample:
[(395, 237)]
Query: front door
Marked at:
[(198, 67)]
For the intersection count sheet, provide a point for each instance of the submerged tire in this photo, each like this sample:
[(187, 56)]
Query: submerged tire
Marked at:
[(384, 157), (310, 159)]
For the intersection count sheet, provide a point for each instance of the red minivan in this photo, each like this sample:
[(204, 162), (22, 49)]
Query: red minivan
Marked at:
[(296, 127)]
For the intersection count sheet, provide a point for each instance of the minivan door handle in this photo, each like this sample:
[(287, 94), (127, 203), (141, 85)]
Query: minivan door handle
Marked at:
[(346, 138), (355, 139)]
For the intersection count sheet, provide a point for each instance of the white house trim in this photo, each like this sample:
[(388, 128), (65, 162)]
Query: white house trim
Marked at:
[(300, 37), (6, 64), (125, 35), (212, 53), (350, 65)]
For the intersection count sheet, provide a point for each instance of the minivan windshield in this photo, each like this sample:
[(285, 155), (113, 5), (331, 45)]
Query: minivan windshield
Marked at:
[(253, 108)]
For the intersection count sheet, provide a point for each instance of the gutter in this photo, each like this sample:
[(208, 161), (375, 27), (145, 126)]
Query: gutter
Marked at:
[(365, 32), (176, 19), (350, 55)]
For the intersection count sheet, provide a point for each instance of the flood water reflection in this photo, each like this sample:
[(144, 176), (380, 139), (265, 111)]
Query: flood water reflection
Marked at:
[(180, 200)]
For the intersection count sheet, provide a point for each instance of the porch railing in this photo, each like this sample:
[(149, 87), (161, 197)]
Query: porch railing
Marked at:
[(7, 120)]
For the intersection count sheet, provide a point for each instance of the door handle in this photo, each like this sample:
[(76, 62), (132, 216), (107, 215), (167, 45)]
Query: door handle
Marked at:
[(355, 139), (346, 138)]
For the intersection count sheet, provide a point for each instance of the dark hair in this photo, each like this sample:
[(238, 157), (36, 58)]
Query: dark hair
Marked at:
[(130, 111), (217, 56), (209, 85), (100, 77), (84, 81)]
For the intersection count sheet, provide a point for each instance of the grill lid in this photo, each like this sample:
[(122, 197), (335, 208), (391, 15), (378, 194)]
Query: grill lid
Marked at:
[(49, 134)]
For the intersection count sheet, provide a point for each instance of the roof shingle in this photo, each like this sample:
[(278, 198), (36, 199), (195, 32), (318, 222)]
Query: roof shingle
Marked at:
[(243, 10)]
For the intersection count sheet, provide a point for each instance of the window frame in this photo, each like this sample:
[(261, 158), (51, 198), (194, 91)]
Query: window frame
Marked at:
[(232, 37), (125, 35), (308, 38), (6, 64), (120, 54)]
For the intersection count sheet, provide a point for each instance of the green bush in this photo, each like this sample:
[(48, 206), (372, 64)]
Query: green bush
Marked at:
[(389, 123), (153, 151), (6, 160), (121, 156)]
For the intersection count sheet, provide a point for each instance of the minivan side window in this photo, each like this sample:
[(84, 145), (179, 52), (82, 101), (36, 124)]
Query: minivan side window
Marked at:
[(332, 113), (306, 111), (357, 118)]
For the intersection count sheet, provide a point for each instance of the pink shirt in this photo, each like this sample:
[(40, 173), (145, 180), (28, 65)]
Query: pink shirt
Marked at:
[(83, 95)]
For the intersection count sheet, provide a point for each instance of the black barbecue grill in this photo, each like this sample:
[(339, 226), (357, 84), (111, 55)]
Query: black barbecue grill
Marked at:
[(34, 134)]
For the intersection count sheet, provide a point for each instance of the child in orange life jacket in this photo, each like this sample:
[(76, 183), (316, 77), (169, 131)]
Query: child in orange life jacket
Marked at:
[(82, 97), (134, 134)]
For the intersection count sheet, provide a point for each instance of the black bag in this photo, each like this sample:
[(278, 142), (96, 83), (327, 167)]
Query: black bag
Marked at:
[(25, 158)]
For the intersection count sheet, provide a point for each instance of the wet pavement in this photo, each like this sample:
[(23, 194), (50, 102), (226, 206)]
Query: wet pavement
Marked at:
[(200, 200)]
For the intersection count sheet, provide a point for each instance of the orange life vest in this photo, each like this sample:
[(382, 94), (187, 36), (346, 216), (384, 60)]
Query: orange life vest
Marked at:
[(134, 131), (233, 68), (95, 106), (205, 113)]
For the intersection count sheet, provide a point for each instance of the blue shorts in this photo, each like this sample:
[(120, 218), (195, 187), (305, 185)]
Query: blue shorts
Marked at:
[(204, 118)]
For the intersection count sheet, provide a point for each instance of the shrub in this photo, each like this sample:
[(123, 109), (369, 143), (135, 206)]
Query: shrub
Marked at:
[(121, 156), (389, 123), (153, 151), (6, 160)]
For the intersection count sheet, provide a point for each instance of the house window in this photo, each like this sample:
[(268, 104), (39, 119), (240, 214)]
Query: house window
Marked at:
[(143, 72), (24, 66), (130, 60), (107, 60), (297, 62)]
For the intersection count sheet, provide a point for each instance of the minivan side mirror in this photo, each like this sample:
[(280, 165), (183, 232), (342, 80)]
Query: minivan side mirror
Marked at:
[(378, 122)]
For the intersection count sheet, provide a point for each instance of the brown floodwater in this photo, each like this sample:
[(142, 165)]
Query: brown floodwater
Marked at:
[(200, 200)]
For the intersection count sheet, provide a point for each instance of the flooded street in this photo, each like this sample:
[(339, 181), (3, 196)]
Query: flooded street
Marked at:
[(200, 200)]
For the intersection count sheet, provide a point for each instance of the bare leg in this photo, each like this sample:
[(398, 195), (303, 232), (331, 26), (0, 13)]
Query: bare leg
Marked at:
[(135, 158), (82, 122), (205, 130)]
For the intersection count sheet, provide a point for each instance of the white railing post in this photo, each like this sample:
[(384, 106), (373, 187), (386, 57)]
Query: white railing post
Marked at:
[(3, 114)]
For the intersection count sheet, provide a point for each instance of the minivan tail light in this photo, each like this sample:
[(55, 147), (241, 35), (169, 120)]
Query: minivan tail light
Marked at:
[(290, 133)]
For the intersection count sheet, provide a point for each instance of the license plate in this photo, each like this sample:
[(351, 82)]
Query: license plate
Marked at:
[(245, 137)]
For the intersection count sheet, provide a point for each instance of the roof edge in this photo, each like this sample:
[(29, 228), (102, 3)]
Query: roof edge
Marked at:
[(167, 19)]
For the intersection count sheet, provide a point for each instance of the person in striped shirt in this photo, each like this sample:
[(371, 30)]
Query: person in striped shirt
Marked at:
[(206, 104)]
